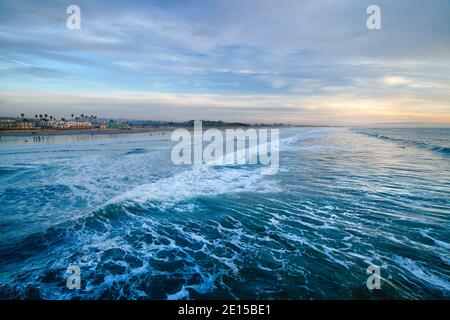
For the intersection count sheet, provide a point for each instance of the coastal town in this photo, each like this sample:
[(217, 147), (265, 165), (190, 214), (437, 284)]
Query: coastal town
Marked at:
[(48, 122), (41, 124)]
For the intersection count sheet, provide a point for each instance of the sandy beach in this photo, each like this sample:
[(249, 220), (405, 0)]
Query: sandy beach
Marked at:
[(44, 132)]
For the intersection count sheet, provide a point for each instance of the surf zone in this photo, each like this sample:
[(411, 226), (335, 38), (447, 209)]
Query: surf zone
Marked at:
[(227, 147)]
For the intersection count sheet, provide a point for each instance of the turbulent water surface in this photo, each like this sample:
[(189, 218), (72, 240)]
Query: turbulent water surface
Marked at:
[(140, 227)]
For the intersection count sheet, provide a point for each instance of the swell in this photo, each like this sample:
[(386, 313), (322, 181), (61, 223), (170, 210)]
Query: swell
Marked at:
[(406, 142), (208, 180), (163, 194), (257, 246)]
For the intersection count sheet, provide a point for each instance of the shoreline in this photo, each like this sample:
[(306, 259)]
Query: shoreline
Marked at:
[(54, 132)]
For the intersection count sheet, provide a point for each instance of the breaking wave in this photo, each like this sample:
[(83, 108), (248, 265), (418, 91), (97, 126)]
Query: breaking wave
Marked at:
[(409, 142)]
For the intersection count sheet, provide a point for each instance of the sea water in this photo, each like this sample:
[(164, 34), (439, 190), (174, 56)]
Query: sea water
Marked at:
[(140, 227)]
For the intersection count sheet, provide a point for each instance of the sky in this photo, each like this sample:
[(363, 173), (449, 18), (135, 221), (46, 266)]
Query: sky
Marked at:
[(291, 61)]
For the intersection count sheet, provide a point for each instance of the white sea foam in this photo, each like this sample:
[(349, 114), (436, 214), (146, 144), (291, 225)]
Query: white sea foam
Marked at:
[(421, 273), (198, 181), (205, 180)]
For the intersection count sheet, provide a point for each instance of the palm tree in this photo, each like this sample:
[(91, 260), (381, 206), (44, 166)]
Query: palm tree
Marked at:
[(40, 116), (72, 115), (45, 116), (36, 116), (22, 115)]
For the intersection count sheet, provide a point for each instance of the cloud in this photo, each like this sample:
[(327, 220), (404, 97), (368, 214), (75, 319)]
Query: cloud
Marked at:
[(339, 109), (304, 52), (395, 81)]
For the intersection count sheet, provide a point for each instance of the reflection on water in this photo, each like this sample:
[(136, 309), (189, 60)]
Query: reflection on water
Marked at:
[(75, 137)]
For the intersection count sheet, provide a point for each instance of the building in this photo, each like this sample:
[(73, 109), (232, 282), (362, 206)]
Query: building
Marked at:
[(79, 124), (62, 125), (7, 124), (25, 125), (46, 123), (117, 124), (55, 124)]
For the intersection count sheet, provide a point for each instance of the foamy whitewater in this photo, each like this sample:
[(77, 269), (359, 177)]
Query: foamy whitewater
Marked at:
[(140, 227)]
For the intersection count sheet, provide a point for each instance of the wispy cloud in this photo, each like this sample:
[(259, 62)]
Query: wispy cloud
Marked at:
[(316, 57), (351, 107)]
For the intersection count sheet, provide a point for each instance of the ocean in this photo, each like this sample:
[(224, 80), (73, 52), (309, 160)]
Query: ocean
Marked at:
[(140, 227)]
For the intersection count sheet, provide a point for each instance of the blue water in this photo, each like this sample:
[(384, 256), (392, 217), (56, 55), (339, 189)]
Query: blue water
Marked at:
[(140, 227)]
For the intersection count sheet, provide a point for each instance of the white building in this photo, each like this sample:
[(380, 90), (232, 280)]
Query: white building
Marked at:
[(55, 124)]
